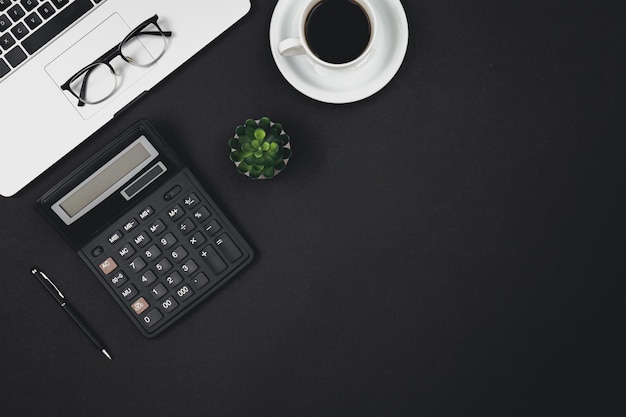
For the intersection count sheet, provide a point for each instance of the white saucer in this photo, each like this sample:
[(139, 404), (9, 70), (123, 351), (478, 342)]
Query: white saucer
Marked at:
[(343, 85)]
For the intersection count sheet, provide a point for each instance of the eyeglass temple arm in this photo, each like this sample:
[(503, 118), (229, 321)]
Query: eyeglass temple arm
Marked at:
[(154, 32), (83, 89)]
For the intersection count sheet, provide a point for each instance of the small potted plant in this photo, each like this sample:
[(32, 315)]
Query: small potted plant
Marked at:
[(260, 148)]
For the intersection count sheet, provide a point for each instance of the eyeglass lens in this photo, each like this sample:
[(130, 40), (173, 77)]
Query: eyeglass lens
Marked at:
[(144, 47)]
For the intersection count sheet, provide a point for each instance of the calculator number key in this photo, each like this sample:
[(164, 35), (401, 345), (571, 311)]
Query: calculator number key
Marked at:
[(163, 266), (148, 278), (137, 264), (174, 279), (169, 304), (152, 252), (179, 254), (189, 267), (152, 318), (168, 241), (159, 291), (184, 292)]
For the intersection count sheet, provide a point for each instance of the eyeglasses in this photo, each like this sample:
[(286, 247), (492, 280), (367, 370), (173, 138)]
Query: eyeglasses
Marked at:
[(142, 47)]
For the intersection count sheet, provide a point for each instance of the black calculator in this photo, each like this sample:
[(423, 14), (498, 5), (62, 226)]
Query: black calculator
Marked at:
[(146, 228)]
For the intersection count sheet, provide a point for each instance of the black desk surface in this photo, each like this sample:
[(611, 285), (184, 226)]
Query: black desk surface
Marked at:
[(445, 247)]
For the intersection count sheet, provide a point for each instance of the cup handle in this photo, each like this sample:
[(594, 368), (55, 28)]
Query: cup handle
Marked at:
[(291, 47)]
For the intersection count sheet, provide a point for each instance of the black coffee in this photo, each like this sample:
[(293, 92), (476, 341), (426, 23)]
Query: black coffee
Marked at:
[(337, 31)]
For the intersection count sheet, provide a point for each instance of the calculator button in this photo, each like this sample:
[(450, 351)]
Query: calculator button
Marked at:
[(228, 248), (137, 264), (97, 251), (197, 239), (142, 239), (126, 251), (172, 193), (163, 266), (108, 266), (140, 305), (200, 281), (115, 237), (159, 291), (212, 259), (175, 212), (132, 223), (169, 304), (179, 254), (184, 293), (168, 241), (174, 279), (157, 227), (191, 200), (202, 214), (152, 252), (186, 226), (213, 227), (152, 317), (189, 267), (148, 278), (129, 292), (118, 279), (147, 212)]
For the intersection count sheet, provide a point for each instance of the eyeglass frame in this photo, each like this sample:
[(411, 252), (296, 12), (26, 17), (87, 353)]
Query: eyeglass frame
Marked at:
[(111, 54)]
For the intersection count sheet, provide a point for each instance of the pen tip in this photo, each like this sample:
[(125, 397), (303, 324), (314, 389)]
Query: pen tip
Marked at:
[(107, 354)]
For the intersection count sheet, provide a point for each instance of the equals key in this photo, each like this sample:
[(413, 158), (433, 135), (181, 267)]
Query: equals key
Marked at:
[(228, 248)]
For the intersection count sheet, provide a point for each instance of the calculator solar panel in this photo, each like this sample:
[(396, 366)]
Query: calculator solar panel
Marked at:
[(147, 229)]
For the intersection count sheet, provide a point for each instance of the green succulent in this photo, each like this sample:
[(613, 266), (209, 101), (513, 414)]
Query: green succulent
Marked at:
[(260, 148)]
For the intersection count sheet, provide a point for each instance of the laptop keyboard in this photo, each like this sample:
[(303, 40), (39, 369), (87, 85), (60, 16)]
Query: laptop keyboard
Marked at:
[(26, 26)]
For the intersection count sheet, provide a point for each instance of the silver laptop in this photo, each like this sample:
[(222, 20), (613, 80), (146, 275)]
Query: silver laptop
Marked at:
[(68, 66)]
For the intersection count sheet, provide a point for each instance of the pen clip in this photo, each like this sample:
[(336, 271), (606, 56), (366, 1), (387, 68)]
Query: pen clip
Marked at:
[(42, 274)]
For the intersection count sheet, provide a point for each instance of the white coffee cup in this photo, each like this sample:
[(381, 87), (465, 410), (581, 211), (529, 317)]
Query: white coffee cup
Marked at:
[(299, 45)]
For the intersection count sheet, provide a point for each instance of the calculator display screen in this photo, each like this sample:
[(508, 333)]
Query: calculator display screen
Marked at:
[(105, 181)]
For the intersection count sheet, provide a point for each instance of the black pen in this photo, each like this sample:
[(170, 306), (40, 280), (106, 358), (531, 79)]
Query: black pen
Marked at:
[(58, 296)]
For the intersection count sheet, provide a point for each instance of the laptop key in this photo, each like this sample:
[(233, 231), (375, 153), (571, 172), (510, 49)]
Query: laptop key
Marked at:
[(29, 4), (59, 3), (33, 20), (46, 10), (15, 56), (5, 23), (4, 68), (6, 41), (4, 4), (19, 31), (56, 25), (16, 12)]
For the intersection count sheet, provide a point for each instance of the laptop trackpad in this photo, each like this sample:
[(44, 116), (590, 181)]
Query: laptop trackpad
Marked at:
[(105, 36)]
